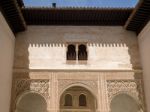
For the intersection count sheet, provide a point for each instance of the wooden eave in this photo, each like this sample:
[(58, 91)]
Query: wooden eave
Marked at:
[(17, 15), (13, 15), (139, 17), (76, 16)]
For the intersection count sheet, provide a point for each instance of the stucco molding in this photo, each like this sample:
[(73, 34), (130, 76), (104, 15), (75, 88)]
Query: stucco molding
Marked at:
[(24, 70)]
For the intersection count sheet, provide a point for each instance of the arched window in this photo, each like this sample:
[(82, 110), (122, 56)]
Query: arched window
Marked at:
[(82, 53), (68, 100), (82, 100), (71, 52)]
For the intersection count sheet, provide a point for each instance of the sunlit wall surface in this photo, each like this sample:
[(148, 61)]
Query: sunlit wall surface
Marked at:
[(82, 3)]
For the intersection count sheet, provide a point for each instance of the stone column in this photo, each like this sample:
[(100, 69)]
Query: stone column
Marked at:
[(54, 94), (102, 94)]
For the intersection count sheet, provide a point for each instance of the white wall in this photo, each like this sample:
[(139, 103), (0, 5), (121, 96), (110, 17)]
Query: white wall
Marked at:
[(144, 43), (7, 40), (109, 47)]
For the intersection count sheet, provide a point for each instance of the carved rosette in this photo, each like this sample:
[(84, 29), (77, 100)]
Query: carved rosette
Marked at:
[(130, 87), (34, 85), (63, 84)]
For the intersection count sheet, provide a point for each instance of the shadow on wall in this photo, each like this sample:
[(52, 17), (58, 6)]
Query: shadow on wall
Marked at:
[(36, 50), (29, 95)]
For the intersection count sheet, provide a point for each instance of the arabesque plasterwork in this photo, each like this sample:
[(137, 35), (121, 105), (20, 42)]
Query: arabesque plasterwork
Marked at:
[(131, 87), (63, 84)]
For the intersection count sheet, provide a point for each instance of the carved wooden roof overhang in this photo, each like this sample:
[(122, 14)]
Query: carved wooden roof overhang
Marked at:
[(76, 16), (13, 15), (17, 15), (139, 17)]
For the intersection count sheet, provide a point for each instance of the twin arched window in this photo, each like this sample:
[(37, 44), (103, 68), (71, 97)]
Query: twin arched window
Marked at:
[(82, 52), (82, 100)]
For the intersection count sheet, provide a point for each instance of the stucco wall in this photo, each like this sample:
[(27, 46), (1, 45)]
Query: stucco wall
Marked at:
[(44, 47), (7, 40), (144, 43)]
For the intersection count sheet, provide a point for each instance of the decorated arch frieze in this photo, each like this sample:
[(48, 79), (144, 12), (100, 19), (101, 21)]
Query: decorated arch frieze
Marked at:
[(91, 85)]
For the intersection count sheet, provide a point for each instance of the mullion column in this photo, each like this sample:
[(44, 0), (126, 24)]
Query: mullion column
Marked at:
[(76, 53)]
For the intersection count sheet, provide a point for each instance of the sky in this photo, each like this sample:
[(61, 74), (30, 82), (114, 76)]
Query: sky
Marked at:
[(81, 3)]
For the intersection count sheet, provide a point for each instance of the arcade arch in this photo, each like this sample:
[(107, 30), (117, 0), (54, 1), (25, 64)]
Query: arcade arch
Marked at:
[(31, 102), (124, 103), (78, 93)]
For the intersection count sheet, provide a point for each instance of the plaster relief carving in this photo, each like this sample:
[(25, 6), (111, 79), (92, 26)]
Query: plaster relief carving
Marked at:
[(130, 87), (39, 86), (65, 84)]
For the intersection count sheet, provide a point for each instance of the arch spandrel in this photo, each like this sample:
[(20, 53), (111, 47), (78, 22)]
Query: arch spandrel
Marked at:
[(131, 88), (24, 86), (89, 85)]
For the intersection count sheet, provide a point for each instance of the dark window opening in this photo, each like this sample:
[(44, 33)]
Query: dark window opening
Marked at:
[(82, 100), (71, 53), (68, 100), (82, 53)]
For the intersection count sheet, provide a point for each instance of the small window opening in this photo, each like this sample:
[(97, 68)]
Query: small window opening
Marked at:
[(82, 100), (71, 53), (68, 100), (82, 53)]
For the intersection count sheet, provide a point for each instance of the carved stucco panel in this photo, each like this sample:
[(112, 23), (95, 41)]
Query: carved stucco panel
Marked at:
[(63, 84), (36, 85), (130, 87)]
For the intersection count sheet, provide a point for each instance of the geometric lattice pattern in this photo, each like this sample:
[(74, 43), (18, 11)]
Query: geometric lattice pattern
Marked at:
[(40, 86), (130, 87)]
